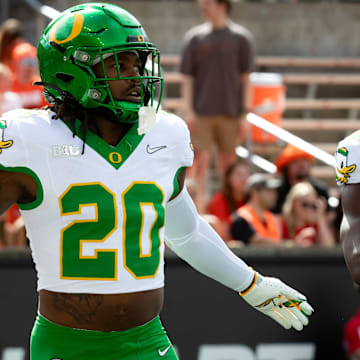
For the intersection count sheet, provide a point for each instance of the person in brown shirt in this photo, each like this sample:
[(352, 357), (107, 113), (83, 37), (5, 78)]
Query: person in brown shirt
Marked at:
[(217, 59)]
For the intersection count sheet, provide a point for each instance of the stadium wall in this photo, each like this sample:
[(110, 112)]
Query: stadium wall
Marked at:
[(207, 321), (320, 29), (302, 29)]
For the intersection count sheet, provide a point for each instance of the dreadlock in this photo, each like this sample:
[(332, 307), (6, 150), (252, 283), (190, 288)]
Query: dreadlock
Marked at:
[(69, 112)]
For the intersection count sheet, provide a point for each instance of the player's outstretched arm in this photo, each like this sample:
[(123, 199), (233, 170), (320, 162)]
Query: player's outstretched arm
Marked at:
[(350, 229), (191, 238)]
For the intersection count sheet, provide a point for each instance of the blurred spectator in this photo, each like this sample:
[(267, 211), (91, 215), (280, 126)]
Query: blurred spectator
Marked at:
[(253, 223), (335, 212), (20, 57), (2, 231), (232, 195), (15, 234), (8, 99), (295, 164), (352, 337), (13, 214), (351, 334), (12, 234), (304, 217), (216, 61)]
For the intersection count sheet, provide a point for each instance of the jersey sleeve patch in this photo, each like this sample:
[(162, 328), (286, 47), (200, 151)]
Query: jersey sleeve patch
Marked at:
[(346, 168), (12, 147), (4, 142)]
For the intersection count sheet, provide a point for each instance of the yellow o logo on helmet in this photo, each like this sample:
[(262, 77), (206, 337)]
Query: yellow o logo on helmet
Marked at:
[(75, 31), (140, 38)]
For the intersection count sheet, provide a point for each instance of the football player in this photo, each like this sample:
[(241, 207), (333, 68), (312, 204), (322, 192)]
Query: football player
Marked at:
[(347, 176), (99, 178)]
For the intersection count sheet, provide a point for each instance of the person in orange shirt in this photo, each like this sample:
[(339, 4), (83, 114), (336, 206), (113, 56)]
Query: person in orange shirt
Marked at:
[(232, 195), (254, 223), (9, 100), (20, 57)]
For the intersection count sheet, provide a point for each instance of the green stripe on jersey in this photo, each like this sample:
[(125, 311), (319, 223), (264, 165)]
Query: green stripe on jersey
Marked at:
[(176, 184)]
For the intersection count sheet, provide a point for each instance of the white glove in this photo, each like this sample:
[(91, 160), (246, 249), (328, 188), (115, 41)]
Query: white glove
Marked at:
[(282, 303)]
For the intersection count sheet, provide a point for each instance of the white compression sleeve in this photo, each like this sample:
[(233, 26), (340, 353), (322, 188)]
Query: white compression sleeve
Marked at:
[(196, 242)]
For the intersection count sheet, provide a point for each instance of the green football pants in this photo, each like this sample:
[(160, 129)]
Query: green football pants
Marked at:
[(50, 341)]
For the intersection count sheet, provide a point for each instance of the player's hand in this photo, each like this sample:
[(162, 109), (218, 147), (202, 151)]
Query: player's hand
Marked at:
[(283, 304)]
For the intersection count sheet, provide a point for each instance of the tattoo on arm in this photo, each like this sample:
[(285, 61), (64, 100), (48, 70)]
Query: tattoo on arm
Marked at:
[(82, 307)]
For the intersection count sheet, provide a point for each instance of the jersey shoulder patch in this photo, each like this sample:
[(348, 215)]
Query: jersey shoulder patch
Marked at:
[(4, 141), (15, 127), (347, 159)]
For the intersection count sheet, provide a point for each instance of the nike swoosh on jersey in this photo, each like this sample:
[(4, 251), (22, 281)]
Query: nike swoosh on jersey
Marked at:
[(163, 352), (152, 150)]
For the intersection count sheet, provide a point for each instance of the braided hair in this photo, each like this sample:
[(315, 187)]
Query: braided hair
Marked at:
[(69, 112)]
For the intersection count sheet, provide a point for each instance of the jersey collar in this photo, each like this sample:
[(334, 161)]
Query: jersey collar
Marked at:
[(114, 155)]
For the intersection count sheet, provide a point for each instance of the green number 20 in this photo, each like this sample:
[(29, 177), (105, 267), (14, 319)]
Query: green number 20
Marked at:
[(104, 263)]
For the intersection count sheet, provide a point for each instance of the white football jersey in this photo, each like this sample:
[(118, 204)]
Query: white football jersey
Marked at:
[(97, 224), (347, 158)]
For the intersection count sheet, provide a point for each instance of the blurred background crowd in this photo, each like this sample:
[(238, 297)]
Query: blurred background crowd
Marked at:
[(213, 79), (295, 63)]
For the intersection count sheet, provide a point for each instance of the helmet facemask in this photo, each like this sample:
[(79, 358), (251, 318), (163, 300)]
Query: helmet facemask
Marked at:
[(99, 93)]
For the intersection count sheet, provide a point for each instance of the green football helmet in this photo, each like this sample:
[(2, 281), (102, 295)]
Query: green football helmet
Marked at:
[(85, 35)]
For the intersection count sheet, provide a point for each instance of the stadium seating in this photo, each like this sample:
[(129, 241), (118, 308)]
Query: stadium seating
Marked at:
[(307, 113)]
